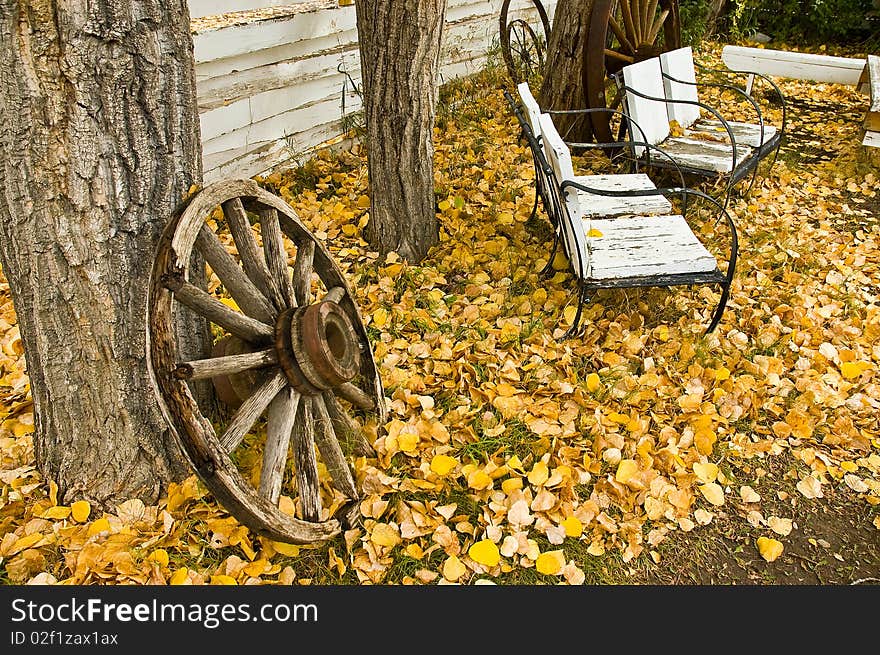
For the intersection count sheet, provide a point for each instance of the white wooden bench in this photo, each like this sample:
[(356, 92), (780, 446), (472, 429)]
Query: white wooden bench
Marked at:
[(717, 155), (625, 251), (793, 65)]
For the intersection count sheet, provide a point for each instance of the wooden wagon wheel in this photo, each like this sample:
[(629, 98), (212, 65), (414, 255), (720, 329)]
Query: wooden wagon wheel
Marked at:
[(296, 354), (522, 49), (623, 32)]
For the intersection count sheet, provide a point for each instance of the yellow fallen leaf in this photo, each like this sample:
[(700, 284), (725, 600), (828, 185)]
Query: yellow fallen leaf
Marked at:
[(180, 577), (222, 580), (380, 317), (80, 511), (98, 526), (539, 473), (363, 202), (722, 373), (770, 549), (384, 534), (57, 512), (443, 464), (229, 302), (593, 382), (713, 493), (289, 550), (551, 562), (453, 569), (851, 370), (511, 484), (408, 441), (573, 526), (706, 472), (160, 556), (626, 469), (704, 439), (479, 480), (593, 232), (485, 552)]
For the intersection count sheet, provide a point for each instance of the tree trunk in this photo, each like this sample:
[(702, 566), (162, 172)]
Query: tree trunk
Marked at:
[(100, 141), (563, 84), (399, 44)]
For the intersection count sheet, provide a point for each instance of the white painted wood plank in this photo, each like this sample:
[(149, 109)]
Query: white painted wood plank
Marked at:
[(646, 245), (679, 64), (872, 73), (795, 65), (201, 8), (704, 155), (651, 116), (251, 37), (871, 139), (598, 206), (748, 134)]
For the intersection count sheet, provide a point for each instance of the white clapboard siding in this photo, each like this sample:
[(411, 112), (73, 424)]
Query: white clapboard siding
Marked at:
[(274, 88), (595, 205), (795, 65), (632, 246), (202, 8)]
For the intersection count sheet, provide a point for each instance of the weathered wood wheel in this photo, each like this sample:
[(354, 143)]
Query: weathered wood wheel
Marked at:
[(623, 32), (293, 363), (521, 47)]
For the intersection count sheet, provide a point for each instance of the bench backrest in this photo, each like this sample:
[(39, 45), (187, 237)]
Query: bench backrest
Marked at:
[(680, 65), (571, 220), (530, 105), (650, 115)]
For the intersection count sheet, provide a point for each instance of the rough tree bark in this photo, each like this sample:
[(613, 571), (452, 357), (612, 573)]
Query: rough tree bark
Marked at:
[(399, 44), (562, 86), (100, 141)]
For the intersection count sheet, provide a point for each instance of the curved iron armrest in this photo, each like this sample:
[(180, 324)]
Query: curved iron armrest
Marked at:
[(772, 84), (728, 87)]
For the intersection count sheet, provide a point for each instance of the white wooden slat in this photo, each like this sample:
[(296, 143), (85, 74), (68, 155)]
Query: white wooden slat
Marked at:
[(794, 65), (679, 64), (646, 246), (597, 206), (201, 8), (650, 115), (872, 75), (747, 134), (705, 155), (532, 111), (871, 139)]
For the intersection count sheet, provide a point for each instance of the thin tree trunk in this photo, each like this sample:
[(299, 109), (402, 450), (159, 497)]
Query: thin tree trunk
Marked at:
[(100, 141), (563, 85), (399, 44)]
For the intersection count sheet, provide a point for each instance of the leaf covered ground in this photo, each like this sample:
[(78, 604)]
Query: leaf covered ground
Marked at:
[(639, 451)]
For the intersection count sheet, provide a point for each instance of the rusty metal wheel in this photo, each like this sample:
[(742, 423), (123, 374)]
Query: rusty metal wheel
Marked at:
[(521, 47), (623, 32), (291, 360)]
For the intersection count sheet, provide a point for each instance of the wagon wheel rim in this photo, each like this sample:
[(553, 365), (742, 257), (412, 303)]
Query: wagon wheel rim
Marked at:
[(624, 32), (525, 35), (295, 343)]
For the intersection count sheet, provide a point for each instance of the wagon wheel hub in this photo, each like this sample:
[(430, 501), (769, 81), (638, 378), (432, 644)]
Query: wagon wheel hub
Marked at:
[(317, 347)]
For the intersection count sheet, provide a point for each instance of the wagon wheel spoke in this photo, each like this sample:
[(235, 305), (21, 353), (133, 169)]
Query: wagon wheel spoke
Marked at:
[(252, 260), (335, 294), (276, 255), (279, 426), (306, 463), (330, 449), (251, 409), (348, 431), (237, 284), (207, 306), (201, 369), (302, 272)]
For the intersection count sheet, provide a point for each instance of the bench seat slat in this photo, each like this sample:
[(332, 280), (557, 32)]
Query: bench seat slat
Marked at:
[(748, 134), (647, 245), (704, 155), (594, 205)]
